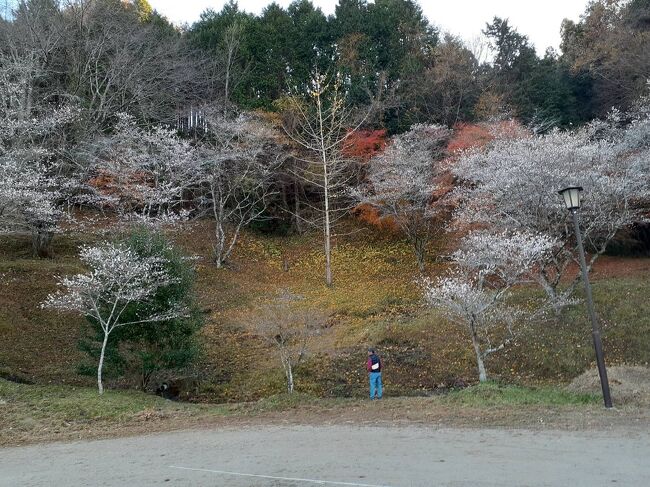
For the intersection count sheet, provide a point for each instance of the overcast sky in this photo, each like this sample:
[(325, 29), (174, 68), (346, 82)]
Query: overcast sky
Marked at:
[(540, 21)]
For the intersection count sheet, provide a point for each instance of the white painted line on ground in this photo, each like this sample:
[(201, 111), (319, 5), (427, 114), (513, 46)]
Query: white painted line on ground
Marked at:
[(312, 481)]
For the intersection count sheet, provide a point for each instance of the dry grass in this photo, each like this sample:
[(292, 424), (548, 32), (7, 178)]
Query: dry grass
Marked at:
[(628, 384)]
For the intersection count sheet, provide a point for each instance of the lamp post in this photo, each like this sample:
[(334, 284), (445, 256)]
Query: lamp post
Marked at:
[(572, 199)]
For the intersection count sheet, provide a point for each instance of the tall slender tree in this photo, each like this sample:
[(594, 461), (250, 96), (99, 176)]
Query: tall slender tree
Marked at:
[(323, 123)]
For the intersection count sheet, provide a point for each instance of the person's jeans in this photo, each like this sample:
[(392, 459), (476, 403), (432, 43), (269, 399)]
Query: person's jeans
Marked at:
[(375, 384)]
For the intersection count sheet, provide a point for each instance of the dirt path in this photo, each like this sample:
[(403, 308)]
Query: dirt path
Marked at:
[(362, 456)]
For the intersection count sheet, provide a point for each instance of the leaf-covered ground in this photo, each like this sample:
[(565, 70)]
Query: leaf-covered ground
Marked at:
[(375, 301)]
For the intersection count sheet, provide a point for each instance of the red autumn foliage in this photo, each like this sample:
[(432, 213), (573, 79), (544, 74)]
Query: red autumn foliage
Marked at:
[(469, 136), (364, 144)]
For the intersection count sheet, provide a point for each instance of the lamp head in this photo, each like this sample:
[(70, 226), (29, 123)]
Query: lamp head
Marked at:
[(572, 197)]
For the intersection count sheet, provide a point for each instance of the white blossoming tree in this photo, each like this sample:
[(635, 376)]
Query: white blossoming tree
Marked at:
[(475, 295), (514, 183), (30, 139), (117, 278), (405, 184), (237, 160), (143, 173)]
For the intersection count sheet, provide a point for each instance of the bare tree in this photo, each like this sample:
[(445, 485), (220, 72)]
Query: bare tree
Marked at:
[(118, 277), (322, 124), (444, 92), (288, 328), (486, 267), (232, 40), (406, 184), (120, 60)]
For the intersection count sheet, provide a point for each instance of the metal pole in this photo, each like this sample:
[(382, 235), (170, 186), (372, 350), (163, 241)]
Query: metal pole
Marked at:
[(595, 329)]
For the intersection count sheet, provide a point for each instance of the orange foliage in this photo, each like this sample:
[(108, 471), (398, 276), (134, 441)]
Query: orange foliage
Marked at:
[(474, 136), (371, 215), (123, 186), (469, 136), (364, 144)]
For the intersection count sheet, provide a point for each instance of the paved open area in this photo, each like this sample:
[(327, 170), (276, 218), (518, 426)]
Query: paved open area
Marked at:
[(300, 456)]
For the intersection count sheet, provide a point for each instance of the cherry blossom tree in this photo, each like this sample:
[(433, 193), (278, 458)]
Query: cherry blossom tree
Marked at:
[(238, 158), (513, 184), (405, 183), (31, 137), (157, 176), (143, 174), (117, 278), (475, 295)]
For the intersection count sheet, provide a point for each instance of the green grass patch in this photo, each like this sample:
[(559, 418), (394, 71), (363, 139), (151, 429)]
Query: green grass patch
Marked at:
[(490, 394), (59, 404), (280, 402)]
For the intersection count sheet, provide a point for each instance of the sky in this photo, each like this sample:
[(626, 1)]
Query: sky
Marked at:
[(540, 21)]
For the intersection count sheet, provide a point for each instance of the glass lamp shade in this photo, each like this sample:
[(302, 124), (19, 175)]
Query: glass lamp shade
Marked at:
[(572, 197)]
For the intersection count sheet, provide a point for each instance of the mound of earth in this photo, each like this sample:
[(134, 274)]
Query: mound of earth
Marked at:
[(626, 383)]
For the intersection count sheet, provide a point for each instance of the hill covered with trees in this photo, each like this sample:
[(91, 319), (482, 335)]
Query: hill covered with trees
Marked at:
[(246, 204)]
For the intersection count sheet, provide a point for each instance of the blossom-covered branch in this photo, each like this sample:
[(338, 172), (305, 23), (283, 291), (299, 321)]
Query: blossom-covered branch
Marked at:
[(118, 277), (486, 267)]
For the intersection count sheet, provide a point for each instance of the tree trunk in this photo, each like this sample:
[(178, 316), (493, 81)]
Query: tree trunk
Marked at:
[(296, 211), (226, 94), (41, 240), (482, 374), (100, 366), (219, 246), (289, 377), (551, 292), (420, 254), (326, 188), (328, 251), (327, 229)]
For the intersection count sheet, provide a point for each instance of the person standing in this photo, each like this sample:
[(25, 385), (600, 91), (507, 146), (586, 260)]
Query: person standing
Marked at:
[(374, 373)]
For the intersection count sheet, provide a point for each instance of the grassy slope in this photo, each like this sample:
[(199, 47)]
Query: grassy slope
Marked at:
[(375, 301)]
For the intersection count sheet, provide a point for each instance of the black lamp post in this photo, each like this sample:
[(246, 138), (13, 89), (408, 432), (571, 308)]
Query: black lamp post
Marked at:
[(572, 199)]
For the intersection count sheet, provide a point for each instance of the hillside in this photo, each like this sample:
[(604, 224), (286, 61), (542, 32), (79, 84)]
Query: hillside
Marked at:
[(375, 301)]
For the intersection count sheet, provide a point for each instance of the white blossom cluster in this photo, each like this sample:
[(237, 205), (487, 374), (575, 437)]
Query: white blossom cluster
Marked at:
[(27, 196), (147, 170), (513, 185), (402, 182), (505, 255), (485, 267), (475, 295), (117, 277), (401, 179), (236, 163), (30, 184)]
